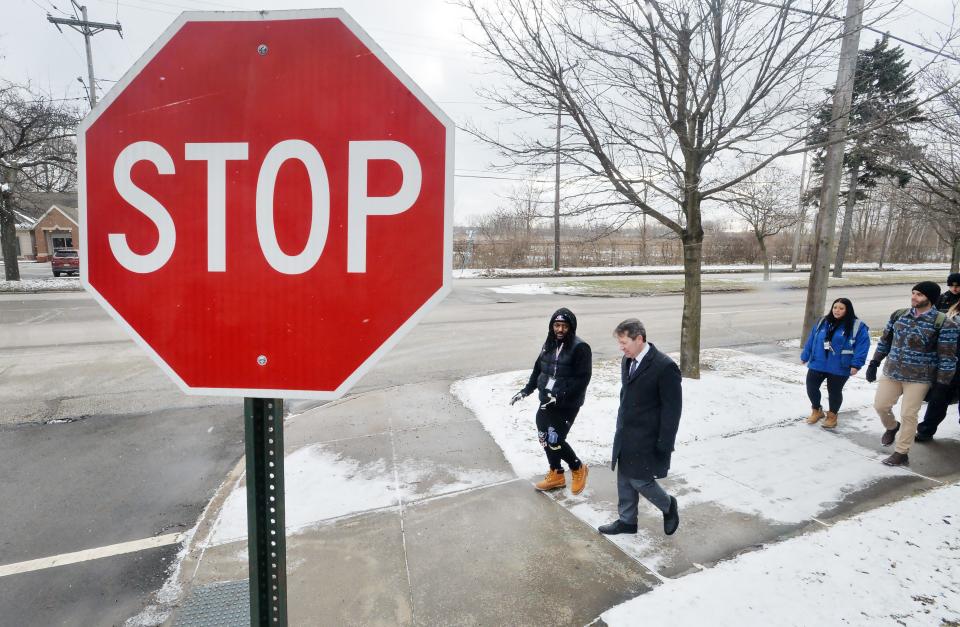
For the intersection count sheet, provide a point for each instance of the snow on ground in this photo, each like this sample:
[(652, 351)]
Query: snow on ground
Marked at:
[(68, 284), (895, 565), (322, 485), (741, 419)]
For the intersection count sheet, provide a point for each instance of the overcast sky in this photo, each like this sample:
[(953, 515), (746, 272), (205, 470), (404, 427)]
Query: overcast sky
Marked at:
[(423, 36)]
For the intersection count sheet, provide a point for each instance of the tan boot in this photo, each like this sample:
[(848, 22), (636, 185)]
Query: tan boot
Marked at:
[(815, 416), (579, 479), (831, 421), (552, 481)]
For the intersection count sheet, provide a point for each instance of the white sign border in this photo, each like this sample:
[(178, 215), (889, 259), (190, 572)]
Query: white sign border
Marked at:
[(263, 16)]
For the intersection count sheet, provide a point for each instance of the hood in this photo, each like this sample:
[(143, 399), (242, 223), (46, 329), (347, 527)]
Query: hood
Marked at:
[(567, 316)]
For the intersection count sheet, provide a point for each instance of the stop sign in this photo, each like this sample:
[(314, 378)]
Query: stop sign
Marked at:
[(266, 203)]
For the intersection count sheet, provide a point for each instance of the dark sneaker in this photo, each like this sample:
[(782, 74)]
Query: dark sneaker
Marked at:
[(889, 436), (922, 437), (617, 527), (671, 519), (897, 459)]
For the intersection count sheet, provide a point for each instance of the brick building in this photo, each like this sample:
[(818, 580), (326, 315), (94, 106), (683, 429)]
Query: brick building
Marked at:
[(45, 222)]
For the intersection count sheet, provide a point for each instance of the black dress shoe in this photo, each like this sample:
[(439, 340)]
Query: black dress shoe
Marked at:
[(671, 519), (922, 437), (889, 436), (897, 459), (616, 527)]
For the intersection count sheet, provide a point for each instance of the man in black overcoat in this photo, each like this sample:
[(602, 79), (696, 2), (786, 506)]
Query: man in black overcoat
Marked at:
[(650, 403)]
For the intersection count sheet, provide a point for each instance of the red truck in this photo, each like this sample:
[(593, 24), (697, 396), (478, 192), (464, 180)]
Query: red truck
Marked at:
[(65, 261)]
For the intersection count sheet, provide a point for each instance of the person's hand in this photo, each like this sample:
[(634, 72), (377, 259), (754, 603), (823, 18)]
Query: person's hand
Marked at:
[(803, 362), (550, 402), (519, 396), (872, 371), (854, 371)]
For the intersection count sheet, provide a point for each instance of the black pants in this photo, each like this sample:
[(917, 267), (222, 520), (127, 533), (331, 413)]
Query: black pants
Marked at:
[(835, 385), (557, 421), (936, 412)]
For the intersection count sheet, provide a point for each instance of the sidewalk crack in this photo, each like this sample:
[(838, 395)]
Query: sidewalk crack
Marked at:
[(403, 533)]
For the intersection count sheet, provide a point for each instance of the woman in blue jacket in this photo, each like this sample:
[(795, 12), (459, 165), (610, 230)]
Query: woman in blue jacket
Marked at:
[(836, 349)]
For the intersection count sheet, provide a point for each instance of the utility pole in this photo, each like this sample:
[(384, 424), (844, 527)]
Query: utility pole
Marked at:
[(556, 190), (88, 29), (830, 191)]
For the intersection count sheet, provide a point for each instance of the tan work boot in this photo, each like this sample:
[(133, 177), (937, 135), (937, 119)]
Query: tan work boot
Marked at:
[(815, 416), (831, 421), (579, 479), (552, 481)]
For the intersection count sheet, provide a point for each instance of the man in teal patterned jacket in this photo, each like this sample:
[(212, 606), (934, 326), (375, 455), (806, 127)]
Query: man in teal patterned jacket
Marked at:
[(920, 347)]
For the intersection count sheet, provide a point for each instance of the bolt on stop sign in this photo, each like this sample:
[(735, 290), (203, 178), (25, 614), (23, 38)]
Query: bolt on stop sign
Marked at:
[(266, 203)]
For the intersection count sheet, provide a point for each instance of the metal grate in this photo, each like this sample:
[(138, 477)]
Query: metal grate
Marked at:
[(225, 604)]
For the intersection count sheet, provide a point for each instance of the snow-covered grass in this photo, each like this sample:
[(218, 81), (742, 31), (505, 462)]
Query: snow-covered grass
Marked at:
[(65, 284), (470, 273), (665, 284), (895, 565), (737, 392)]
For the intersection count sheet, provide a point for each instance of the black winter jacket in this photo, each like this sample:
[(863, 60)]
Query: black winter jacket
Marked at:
[(571, 369), (946, 301), (650, 405)]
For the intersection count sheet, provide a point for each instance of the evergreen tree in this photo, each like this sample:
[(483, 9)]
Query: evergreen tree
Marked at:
[(883, 91)]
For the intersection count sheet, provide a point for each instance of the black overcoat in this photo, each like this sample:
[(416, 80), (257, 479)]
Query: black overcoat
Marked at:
[(650, 405)]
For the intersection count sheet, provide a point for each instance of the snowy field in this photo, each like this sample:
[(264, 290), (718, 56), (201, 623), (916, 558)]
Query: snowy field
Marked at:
[(466, 273), (742, 446)]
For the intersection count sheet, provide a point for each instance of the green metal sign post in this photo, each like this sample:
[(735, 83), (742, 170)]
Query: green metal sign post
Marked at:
[(266, 538)]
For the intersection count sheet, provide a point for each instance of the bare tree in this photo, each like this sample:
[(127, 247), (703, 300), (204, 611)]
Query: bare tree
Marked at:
[(766, 202), (672, 90), (37, 153), (935, 192)]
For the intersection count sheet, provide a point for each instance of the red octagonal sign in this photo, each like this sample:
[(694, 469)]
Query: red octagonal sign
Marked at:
[(266, 203)]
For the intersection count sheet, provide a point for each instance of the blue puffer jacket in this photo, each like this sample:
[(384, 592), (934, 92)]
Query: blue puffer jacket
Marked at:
[(845, 353)]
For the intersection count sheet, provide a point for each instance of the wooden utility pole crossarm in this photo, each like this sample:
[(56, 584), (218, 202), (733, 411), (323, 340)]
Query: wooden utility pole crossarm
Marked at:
[(88, 29)]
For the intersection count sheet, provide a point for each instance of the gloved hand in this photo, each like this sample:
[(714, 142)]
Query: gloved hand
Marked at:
[(871, 375), (550, 402), (519, 396), (552, 437)]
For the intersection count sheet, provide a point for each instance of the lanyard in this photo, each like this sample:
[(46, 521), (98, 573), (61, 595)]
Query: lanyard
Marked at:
[(556, 361)]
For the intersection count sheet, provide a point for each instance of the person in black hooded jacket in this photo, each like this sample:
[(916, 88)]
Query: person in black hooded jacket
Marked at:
[(560, 375), (950, 298)]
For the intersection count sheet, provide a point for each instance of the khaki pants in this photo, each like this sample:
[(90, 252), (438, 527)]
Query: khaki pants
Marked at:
[(888, 391)]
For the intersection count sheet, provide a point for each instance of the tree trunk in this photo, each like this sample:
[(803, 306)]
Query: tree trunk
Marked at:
[(847, 223), (692, 284), (766, 258), (886, 233), (955, 254), (8, 227)]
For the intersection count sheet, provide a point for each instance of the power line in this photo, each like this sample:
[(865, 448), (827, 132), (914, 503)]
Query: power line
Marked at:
[(88, 29), (869, 28)]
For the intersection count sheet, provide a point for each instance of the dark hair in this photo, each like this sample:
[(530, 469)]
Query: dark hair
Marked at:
[(631, 327), (848, 318)]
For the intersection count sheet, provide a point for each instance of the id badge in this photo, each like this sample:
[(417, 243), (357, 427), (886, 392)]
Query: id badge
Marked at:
[(827, 347), (550, 383)]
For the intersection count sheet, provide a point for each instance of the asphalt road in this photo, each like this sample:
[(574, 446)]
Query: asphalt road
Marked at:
[(98, 448), (31, 270)]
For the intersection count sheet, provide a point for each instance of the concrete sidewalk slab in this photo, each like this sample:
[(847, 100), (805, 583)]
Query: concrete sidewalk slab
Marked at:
[(506, 555)]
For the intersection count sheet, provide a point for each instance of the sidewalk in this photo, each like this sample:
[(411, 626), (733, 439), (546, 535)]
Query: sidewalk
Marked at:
[(403, 509)]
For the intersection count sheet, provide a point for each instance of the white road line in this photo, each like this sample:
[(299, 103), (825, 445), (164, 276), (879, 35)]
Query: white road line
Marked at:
[(90, 554)]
